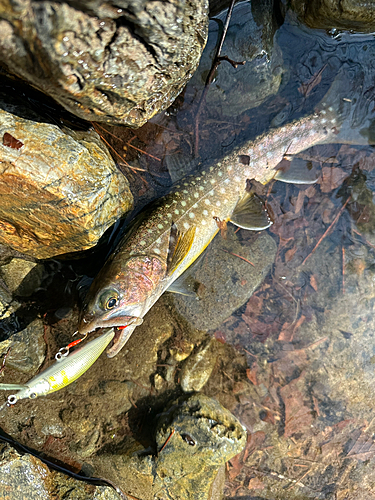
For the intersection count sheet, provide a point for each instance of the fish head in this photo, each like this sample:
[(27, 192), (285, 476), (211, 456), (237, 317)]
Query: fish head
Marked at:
[(121, 293)]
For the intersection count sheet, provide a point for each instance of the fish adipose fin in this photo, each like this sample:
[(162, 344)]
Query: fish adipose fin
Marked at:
[(250, 213), (296, 171), (179, 246)]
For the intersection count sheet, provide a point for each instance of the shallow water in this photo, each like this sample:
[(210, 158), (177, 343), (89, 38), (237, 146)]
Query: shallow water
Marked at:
[(294, 362)]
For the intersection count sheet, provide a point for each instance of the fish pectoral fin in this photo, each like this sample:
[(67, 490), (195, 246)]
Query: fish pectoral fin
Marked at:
[(250, 213), (12, 387), (297, 171), (179, 246), (184, 285)]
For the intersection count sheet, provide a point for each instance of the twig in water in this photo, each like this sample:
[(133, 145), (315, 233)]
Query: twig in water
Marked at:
[(215, 63), (328, 230)]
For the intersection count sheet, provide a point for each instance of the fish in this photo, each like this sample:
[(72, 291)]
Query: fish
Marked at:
[(62, 373), (167, 237)]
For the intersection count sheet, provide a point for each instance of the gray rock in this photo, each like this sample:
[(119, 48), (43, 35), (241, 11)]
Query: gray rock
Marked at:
[(60, 190), (195, 436), (118, 62), (25, 477), (336, 14), (226, 281), (249, 38)]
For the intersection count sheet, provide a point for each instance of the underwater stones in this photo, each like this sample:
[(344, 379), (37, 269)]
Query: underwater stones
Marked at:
[(226, 281), (199, 365), (203, 436), (336, 14), (59, 191), (117, 62), (249, 38)]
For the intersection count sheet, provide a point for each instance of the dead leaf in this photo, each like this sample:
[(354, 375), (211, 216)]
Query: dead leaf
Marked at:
[(289, 329), (313, 282), (306, 88), (11, 142), (332, 177), (299, 202)]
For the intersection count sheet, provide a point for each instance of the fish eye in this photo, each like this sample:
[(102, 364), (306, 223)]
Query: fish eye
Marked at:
[(111, 303), (108, 300)]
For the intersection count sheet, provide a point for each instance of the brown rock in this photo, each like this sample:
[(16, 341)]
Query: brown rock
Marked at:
[(59, 191)]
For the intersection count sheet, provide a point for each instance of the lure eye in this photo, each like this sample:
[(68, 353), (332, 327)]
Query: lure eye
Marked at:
[(111, 303), (33, 395)]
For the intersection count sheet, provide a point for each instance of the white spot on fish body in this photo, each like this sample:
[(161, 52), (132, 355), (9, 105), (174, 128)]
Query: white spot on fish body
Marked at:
[(211, 169), (205, 212), (177, 212), (203, 222), (237, 178), (212, 181), (160, 226), (150, 230), (158, 241), (185, 191), (168, 215), (330, 108), (247, 172), (207, 201), (333, 120), (220, 173), (191, 215), (269, 154), (324, 120), (186, 225), (203, 172), (222, 190), (183, 203), (196, 195), (218, 204), (227, 181), (201, 188), (323, 111), (156, 250), (143, 243)]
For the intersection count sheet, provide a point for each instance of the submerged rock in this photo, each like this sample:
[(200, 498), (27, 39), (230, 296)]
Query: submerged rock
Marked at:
[(249, 38), (59, 188), (195, 436), (225, 280), (117, 62), (336, 14)]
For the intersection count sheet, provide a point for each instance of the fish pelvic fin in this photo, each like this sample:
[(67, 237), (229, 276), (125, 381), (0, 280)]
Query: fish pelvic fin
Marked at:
[(179, 246), (250, 213)]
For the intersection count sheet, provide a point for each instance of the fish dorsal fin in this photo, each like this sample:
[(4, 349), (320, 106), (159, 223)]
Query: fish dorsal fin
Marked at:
[(12, 387), (298, 171), (179, 246), (250, 213)]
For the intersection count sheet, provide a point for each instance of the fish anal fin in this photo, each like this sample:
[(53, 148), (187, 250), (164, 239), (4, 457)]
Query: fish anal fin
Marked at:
[(297, 171), (250, 213), (179, 246)]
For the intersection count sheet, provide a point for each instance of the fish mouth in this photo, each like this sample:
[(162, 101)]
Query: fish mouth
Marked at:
[(123, 326)]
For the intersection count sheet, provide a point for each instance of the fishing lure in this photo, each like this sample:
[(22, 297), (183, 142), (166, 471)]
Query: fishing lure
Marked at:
[(62, 373)]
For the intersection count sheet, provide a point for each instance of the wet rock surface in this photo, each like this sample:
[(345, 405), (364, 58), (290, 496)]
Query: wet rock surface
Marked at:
[(59, 188), (194, 438), (225, 281), (249, 38), (118, 62), (336, 14)]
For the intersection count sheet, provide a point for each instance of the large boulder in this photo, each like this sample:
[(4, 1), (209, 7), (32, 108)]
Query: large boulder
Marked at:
[(59, 188), (336, 14), (118, 62)]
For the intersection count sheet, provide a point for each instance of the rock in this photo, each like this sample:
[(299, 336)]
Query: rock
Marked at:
[(336, 14), (195, 436), (25, 477), (27, 348), (226, 281), (118, 62), (199, 366), (249, 38), (16, 274), (60, 190)]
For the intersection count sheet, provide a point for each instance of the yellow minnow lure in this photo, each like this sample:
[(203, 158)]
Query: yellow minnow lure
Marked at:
[(62, 373)]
